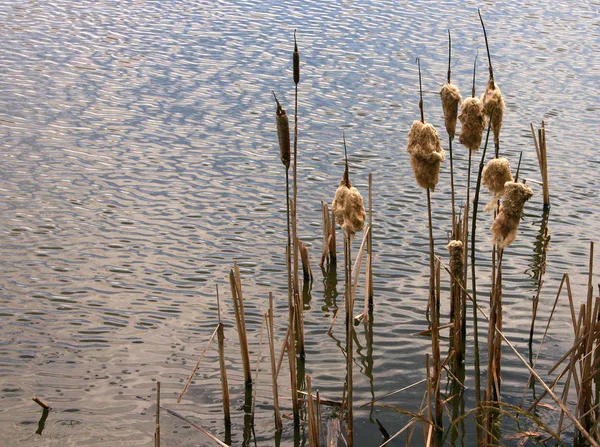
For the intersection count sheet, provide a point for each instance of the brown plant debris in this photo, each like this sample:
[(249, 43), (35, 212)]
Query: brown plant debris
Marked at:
[(504, 229), (472, 120), (426, 154), (450, 100), (456, 250), (494, 177)]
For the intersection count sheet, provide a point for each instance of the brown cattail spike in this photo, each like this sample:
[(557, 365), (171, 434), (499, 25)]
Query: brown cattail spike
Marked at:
[(494, 177), (296, 59), (456, 250), (506, 224), (283, 134), (450, 100), (426, 154)]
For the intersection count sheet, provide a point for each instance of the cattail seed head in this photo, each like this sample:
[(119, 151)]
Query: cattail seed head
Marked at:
[(473, 122), (456, 250), (450, 100), (494, 177), (494, 107), (506, 224), (296, 61), (426, 154), (283, 134), (348, 208)]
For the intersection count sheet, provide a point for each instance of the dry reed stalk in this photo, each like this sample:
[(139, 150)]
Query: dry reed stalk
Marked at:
[(357, 264), (332, 241), (456, 249), (305, 257), (429, 395), (435, 350), (326, 233), (269, 319), (291, 354), (196, 426), (283, 349), (41, 403), (536, 298), (327, 402), (257, 370), (240, 319), (193, 373), (393, 393), (540, 149), (296, 288), (222, 367), (319, 418), (537, 377), (157, 426), (313, 426)]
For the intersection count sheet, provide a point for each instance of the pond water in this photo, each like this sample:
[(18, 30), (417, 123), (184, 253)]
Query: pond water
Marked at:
[(139, 160)]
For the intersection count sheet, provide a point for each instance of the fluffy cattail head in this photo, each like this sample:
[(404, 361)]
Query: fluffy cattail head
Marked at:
[(456, 250), (349, 209), (495, 175), (426, 154), (494, 107), (506, 224), (473, 122), (450, 101), (283, 134)]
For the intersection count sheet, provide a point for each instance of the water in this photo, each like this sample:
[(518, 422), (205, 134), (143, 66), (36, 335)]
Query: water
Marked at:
[(139, 160)]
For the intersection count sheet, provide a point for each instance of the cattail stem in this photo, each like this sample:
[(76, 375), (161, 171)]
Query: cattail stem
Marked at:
[(291, 353), (349, 345), (271, 335), (238, 305), (487, 46), (449, 55), (474, 289), (370, 246), (474, 72), (157, 429), (420, 93), (433, 302)]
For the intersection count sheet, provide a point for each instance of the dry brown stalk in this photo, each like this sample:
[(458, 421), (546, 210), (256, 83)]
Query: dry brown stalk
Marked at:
[(269, 319), (193, 373), (541, 151), (349, 347), (313, 426), (196, 426), (222, 367), (370, 246), (41, 403), (240, 319), (291, 354), (157, 429), (304, 255)]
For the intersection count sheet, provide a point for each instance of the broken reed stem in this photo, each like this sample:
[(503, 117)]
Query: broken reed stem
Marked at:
[(157, 429), (41, 403), (313, 425), (540, 149), (257, 370), (349, 347), (240, 318), (487, 46), (269, 319), (537, 377), (193, 373), (420, 93), (196, 426), (223, 369), (304, 255)]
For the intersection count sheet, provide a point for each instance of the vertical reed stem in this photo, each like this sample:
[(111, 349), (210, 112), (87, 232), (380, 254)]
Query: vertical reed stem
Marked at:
[(157, 430), (349, 346), (271, 334), (370, 246)]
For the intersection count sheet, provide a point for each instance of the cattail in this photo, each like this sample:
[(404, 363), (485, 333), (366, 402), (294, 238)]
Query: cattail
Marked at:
[(456, 250), (348, 206), (450, 101), (504, 229), (426, 154), (472, 120), (494, 177), (296, 61), (283, 134), (493, 106)]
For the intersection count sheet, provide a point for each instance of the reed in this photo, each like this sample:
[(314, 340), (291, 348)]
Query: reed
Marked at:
[(240, 319), (540, 149), (157, 425), (313, 421), (195, 370), (305, 257), (270, 323)]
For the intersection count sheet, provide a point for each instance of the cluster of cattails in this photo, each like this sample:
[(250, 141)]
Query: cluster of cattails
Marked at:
[(494, 177), (426, 154), (504, 229)]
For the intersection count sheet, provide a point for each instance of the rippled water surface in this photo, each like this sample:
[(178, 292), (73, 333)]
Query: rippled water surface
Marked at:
[(139, 160)]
